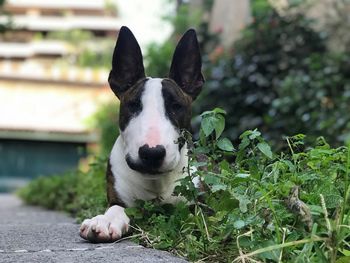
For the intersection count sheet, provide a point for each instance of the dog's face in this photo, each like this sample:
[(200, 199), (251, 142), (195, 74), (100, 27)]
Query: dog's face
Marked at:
[(153, 111)]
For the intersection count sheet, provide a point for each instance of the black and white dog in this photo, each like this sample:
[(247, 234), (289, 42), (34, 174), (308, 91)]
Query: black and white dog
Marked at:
[(147, 158)]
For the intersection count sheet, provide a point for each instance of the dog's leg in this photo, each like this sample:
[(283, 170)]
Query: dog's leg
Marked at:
[(106, 228)]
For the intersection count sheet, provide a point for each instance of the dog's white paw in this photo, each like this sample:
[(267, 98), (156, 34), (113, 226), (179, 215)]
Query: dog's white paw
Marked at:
[(106, 228)]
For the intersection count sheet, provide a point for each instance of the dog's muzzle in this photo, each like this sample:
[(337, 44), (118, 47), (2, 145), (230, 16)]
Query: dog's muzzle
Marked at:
[(149, 161)]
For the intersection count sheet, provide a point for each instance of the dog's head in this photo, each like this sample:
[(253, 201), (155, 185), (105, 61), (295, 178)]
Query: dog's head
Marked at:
[(153, 111)]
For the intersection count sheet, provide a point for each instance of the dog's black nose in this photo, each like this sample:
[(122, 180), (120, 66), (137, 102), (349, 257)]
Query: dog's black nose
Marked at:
[(152, 156)]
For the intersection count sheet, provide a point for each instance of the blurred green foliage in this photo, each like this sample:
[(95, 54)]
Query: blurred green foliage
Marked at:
[(87, 50), (279, 77), (158, 56), (6, 25), (158, 59), (106, 121), (318, 93), (75, 36), (82, 194), (96, 58)]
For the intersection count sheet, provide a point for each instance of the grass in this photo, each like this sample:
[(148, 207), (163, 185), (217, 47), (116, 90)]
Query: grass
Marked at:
[(258, 205)]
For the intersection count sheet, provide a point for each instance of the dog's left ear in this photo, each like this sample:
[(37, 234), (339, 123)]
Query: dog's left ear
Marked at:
[(127, 63), (186, 65)]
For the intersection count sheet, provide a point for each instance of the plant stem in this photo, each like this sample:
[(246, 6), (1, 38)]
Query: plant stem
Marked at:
[(274, 247)]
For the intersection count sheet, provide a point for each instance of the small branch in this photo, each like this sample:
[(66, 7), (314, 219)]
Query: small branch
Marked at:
[(274, 247)]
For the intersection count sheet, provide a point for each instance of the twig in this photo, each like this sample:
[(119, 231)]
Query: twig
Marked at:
[(126, 238), (205, 224), (239, 247), (283, 238), (274, 247)]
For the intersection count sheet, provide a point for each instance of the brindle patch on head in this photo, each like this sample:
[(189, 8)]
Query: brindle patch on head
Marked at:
[(130, 103), (177, 105)]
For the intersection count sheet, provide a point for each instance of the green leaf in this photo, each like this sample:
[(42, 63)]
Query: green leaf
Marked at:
[(245, 134), (332, 200), (316, 209), (243, 204), (320, 254), (226, 203), (242, 175), (225, 165), (219, 111), (244, 143), (218, 187), (208, 125), (239, 224), (343, 260), (219, 126), (254, 134), (345, 252), (225, 145), (265, 149), (213, 121), (289, 164), (133, 212), (211, 178)]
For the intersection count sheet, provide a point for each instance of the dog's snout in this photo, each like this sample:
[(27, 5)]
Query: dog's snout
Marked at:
[(153, 155)]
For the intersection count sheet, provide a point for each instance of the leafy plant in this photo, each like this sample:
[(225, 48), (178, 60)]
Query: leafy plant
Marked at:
[(105, 121), (254, 203), (82, 194), (158, 59), (264, 206), (86, 50), (5, 25), (250, 82)]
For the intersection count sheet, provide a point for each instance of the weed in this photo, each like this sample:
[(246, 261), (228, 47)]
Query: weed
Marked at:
[(256, 205), (81, 194)]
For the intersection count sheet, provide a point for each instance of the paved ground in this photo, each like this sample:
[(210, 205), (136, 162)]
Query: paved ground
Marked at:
[(31, 234)]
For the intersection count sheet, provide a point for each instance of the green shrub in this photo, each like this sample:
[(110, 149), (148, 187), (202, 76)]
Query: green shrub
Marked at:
[(106, 122), (86, 50), (290, 206), (96, 57), (318, 95), (75, 36), (4, 26), (81, 194), (247, 83), (279, 77), (272, 207), (158, 59)]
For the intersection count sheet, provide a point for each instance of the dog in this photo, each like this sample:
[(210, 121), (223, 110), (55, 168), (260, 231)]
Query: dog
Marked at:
[(147, 158)]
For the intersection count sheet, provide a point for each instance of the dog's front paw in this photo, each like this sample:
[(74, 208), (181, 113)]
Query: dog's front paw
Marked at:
[(106, 228)]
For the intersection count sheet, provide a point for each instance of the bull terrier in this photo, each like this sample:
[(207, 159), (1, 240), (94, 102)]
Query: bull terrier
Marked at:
[(147, 158)]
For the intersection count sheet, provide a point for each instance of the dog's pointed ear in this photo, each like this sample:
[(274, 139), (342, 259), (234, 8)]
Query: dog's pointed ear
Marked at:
[(127, 63), (186, 65)]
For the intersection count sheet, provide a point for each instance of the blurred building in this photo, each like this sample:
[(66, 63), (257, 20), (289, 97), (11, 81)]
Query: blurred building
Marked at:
[(45, 97)]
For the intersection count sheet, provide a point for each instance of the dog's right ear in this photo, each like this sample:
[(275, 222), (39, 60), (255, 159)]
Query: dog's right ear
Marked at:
[(127, 63)]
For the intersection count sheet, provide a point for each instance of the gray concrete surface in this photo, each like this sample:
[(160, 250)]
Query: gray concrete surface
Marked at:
[(32, 234)]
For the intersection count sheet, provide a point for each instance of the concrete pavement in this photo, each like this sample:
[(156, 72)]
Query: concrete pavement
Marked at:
[(32, 234)]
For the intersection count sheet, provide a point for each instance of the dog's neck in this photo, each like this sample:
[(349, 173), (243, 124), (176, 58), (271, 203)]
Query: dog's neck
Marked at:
[(131, 185)]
